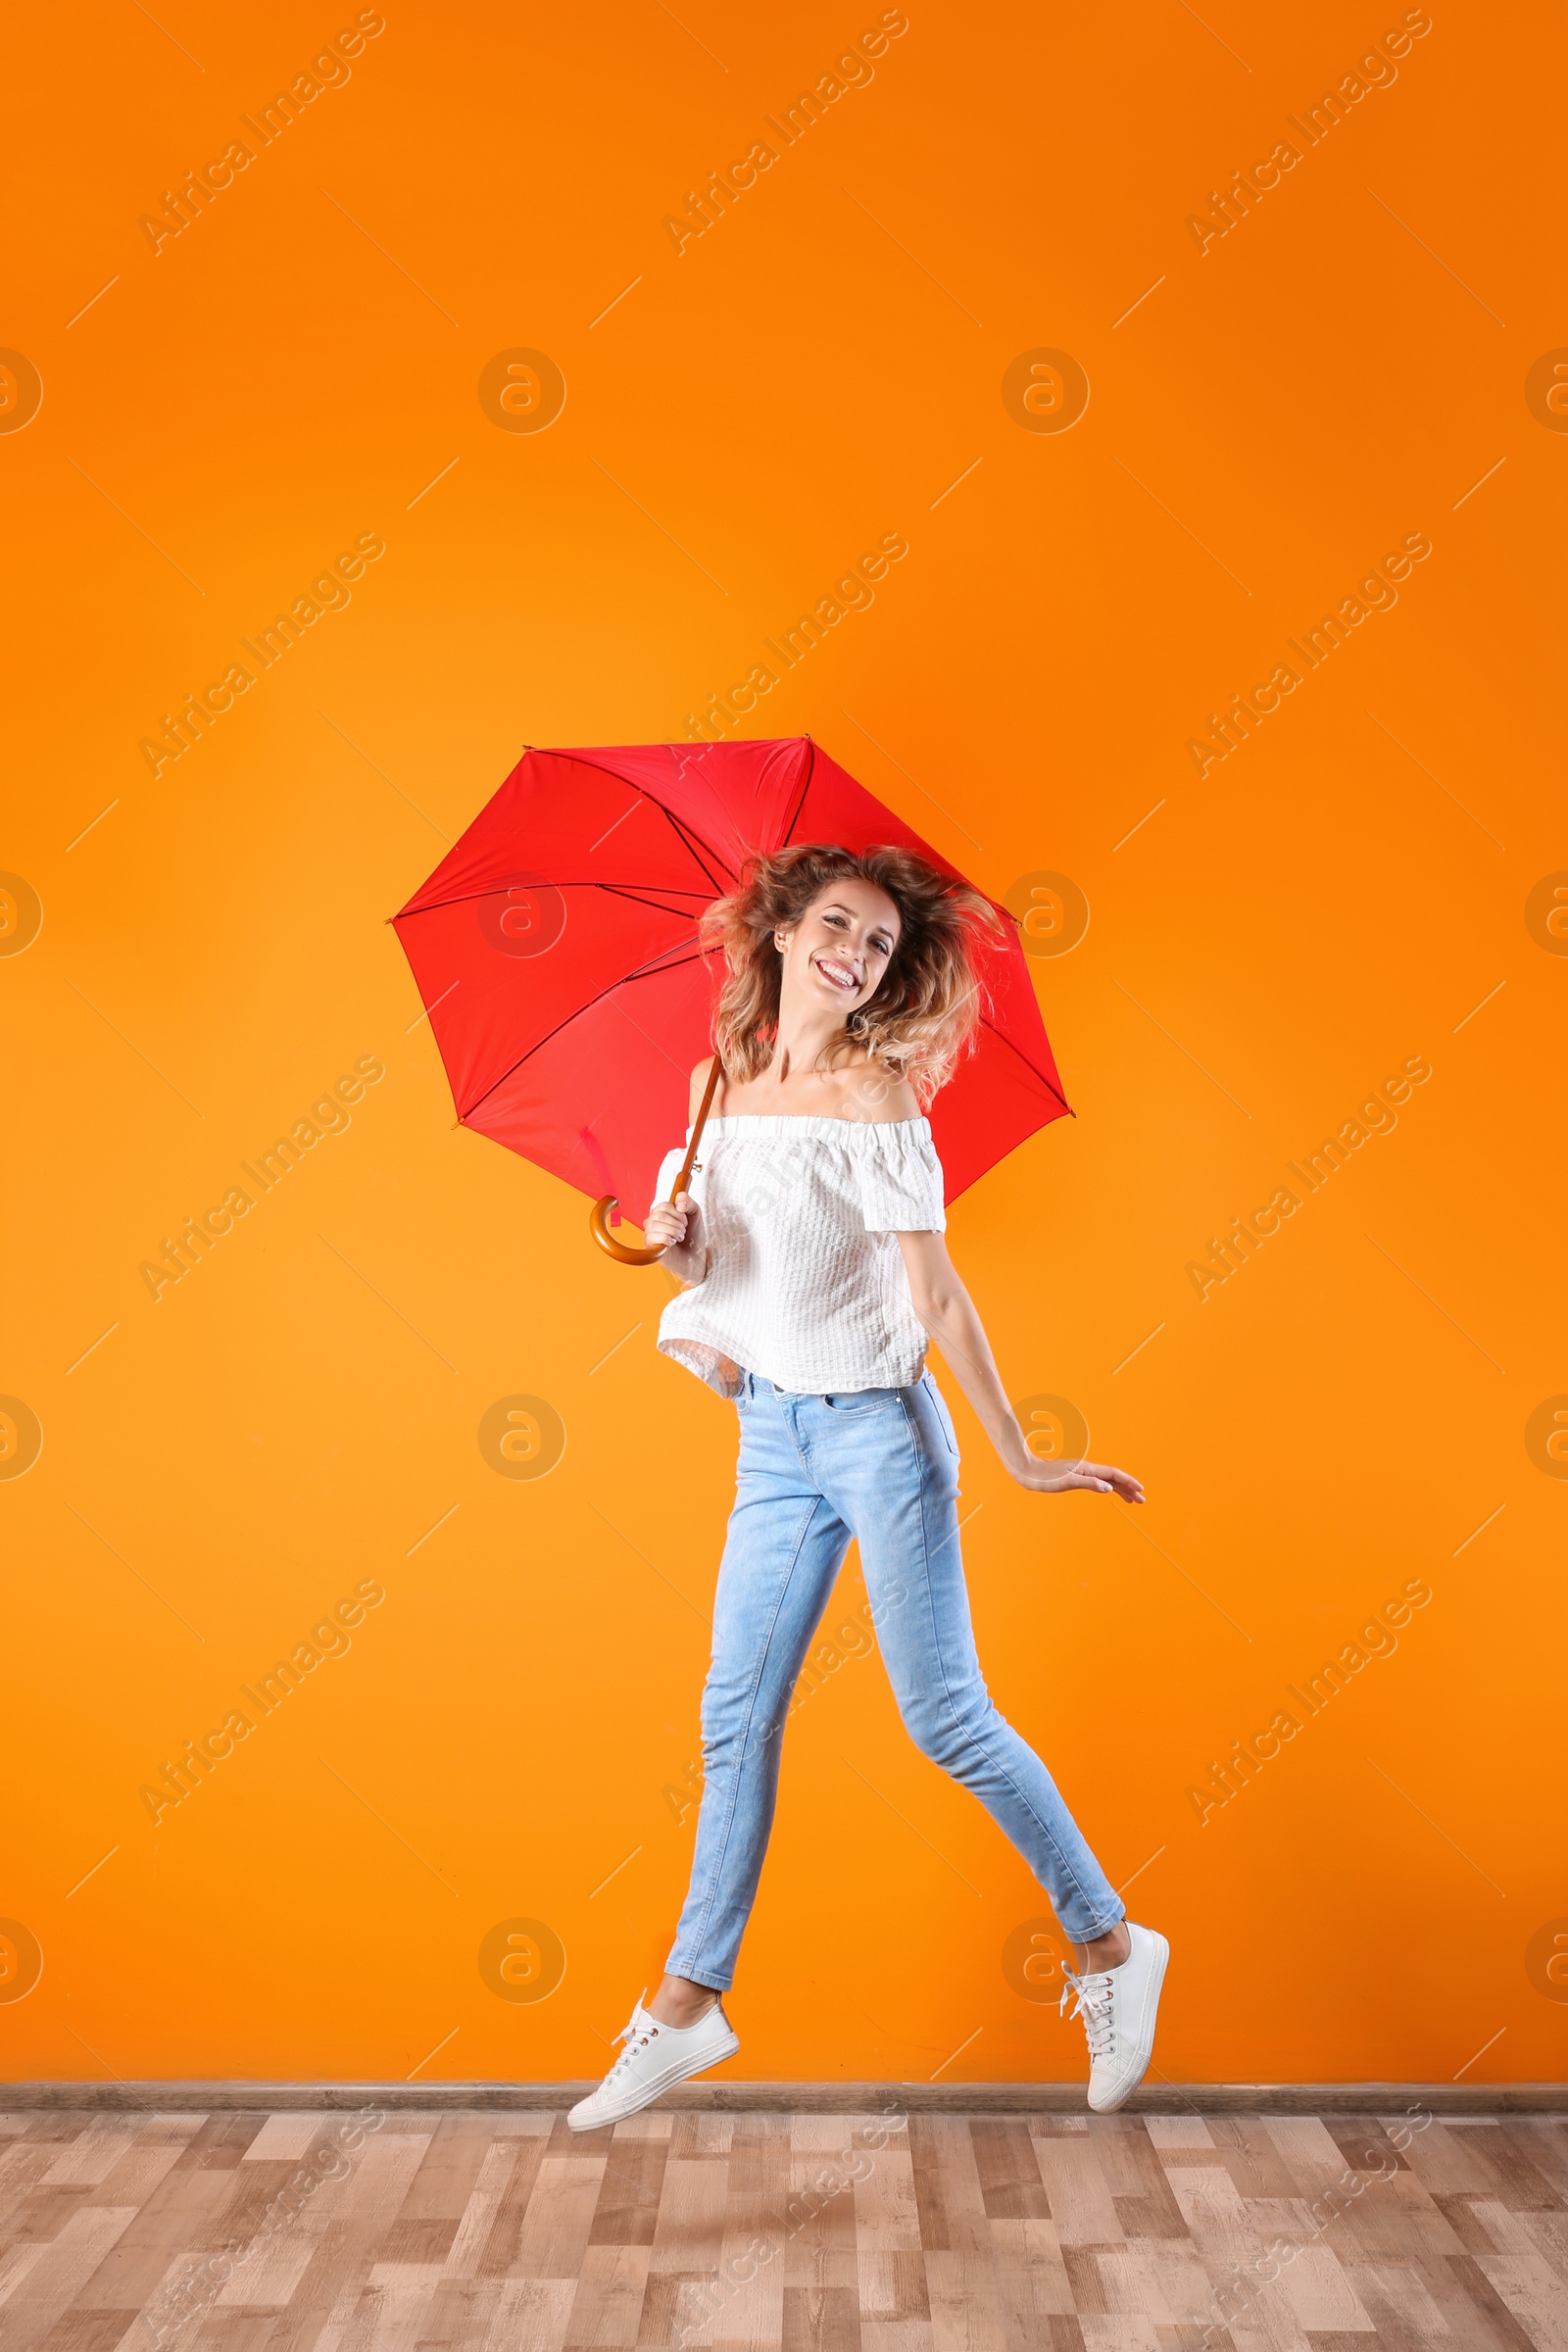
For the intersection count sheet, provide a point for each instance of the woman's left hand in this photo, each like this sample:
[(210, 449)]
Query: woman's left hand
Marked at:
[(1060, 1478), (947, 1310)]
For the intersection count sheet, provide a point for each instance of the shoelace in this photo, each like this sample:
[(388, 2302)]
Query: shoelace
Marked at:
[(1097, 2006), (645, 2035)]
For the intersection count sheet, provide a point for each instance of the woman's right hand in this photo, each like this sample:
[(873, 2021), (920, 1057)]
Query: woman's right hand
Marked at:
[(675, 1226)]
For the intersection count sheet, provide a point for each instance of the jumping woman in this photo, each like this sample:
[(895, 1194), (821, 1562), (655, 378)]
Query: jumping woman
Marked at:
[(810, 1247)]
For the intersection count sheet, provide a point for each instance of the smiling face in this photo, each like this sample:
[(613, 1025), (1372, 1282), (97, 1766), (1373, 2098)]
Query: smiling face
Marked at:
[(840, 949)]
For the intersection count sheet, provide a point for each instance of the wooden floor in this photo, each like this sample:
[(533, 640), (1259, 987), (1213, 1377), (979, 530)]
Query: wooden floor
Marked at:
[(303, 2232)]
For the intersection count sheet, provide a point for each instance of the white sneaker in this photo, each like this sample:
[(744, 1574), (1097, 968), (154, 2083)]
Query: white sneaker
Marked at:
[(654, 2059), (1118, 2006)]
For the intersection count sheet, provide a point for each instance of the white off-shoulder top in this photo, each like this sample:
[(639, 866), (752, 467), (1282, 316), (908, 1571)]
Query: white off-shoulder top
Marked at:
[(806, 1284)]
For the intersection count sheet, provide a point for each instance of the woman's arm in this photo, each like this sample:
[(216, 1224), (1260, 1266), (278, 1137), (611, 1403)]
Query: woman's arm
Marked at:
[(677, 1225), (947, 1310)]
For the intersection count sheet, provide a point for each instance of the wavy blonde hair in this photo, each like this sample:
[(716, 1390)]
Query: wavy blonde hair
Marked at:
[(922, 1018)]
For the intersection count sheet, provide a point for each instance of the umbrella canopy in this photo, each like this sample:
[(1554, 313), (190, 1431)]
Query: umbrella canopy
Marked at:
[(555, 953)]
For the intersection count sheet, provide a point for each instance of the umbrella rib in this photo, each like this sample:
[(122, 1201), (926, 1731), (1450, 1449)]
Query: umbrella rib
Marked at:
[(652, 969), (700, 851), (805, 786), (652, 964), (599, 769), (1002, 1038), (466, 897), (801, 803), (638, 893), (688, 841)]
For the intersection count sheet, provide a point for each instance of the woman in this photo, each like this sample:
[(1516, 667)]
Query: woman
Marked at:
[(815, 1270)]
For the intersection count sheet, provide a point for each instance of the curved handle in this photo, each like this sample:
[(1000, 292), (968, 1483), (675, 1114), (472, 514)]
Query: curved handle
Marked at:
[(621, 1251), (598, 1215)]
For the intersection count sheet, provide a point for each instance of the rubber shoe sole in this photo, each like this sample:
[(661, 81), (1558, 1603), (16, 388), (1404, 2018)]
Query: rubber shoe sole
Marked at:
[(642, 2093)]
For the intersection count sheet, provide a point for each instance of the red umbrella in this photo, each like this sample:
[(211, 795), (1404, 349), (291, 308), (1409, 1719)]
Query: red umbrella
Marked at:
[(556, 952)]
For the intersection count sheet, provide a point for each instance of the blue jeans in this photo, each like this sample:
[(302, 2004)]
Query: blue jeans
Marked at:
[(880, 1465)]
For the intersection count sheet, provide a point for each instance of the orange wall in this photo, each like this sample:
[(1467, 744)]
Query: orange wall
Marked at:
[(299, 1418)]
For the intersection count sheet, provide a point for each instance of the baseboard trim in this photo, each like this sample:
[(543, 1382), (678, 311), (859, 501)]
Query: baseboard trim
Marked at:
[(811, 2098)]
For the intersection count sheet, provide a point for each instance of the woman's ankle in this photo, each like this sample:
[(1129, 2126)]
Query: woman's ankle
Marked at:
[(680, 2001), (1106, 1951)]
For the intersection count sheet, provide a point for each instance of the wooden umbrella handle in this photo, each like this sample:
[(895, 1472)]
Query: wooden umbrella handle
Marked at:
[(598, 1215)]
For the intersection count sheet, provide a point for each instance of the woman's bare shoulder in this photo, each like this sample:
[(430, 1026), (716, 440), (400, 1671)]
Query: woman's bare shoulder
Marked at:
[(880, 1096), (700, 1078)]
